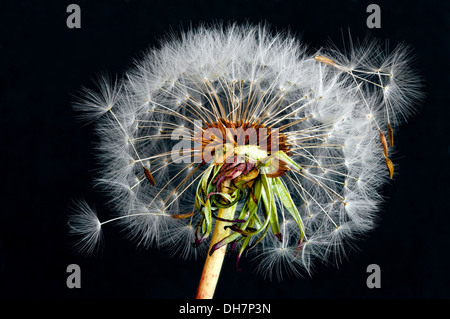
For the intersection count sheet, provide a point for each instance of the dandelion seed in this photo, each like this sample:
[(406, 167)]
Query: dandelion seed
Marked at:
[(390, 135), (280, 153), (84, 222), (149, 175)]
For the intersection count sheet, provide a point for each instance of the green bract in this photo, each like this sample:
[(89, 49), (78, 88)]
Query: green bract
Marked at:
[(255, 191)]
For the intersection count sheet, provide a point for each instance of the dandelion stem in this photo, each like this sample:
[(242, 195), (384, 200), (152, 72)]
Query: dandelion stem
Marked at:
[(213, 263)]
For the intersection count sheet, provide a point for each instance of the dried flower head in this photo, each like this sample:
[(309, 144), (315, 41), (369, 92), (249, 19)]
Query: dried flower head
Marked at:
[(241, 138)]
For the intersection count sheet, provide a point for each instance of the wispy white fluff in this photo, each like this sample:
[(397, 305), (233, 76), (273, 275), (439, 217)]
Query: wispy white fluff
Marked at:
[(84, 223), (95, 103), (345, 106)]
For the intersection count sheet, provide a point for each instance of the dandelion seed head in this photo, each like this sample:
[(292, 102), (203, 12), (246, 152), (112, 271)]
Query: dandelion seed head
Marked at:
[(326, 108)]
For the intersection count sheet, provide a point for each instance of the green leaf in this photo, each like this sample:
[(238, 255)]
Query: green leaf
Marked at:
[(197, 204), (229, 197), (270, 206), (205, 178), (283, 157), (244, 211), (285, 197), (225, 241), (208, 218), (266, 229), (250, 206), (243, 179), (203, 227), (254, 207)]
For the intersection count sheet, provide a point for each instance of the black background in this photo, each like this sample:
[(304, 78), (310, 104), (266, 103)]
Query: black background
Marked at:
[(48, 156)]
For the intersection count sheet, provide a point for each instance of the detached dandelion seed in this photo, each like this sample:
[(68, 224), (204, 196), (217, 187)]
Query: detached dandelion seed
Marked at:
[(235, 139), (84, 222)]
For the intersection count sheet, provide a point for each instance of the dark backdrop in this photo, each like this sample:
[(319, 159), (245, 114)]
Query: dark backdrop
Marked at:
[(47, 156)]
